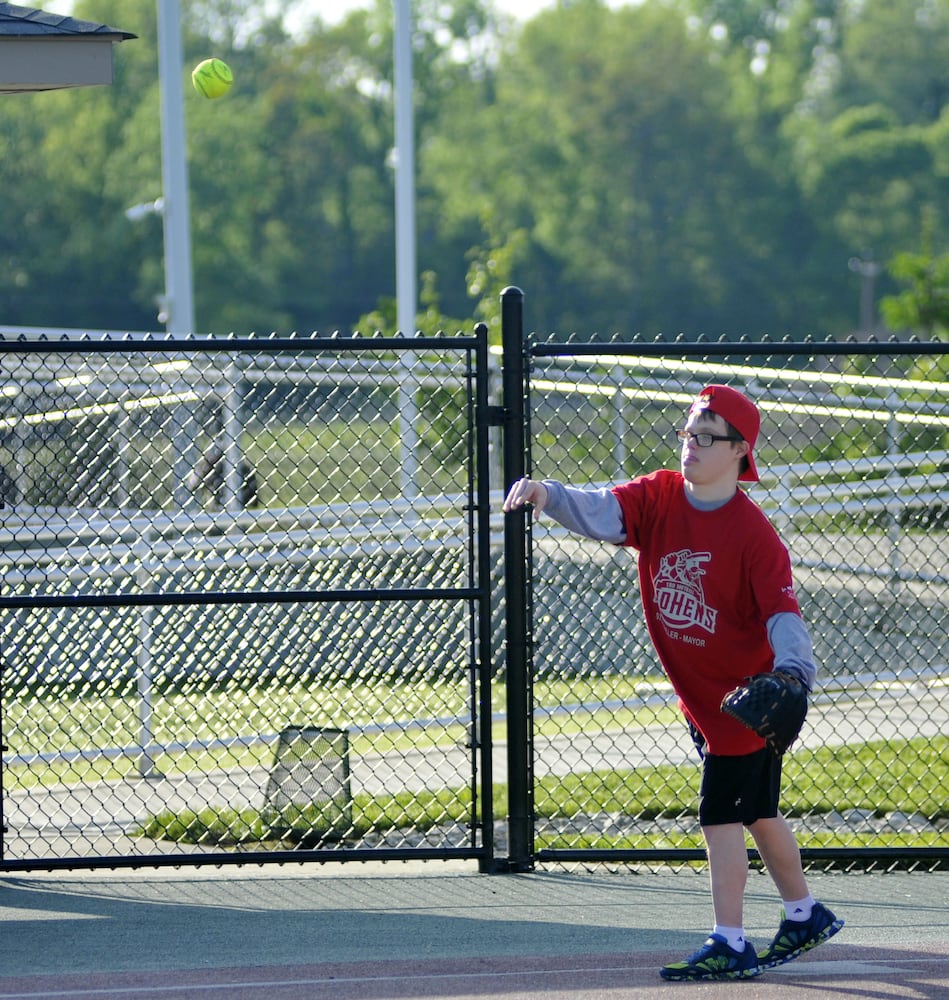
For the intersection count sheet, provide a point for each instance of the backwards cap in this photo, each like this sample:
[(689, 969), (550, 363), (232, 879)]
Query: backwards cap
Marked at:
[(740, 412)]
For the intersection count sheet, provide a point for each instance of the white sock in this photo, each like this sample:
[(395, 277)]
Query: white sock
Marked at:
[(799, 909), (735, 936)]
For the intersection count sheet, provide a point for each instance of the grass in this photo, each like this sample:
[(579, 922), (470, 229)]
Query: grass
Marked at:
[(856, 775), (875, 778), (313, 825), (878, 778)]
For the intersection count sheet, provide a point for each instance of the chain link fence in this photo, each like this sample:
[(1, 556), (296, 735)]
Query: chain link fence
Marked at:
[(252, 602), (245, 605), (855, 476)]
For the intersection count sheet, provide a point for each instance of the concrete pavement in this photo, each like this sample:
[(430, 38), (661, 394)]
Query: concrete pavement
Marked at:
[(441, 930)]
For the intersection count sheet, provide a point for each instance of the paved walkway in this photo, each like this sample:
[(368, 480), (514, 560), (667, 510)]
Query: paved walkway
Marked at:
[(442, 930)]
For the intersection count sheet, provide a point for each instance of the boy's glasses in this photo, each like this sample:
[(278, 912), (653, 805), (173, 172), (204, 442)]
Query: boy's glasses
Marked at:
[(704, 440)]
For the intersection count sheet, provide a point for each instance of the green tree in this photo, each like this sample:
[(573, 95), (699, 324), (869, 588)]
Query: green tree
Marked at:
[(868, 179), (641, 208), (895, 54), (680, 166), (70, 247), (923, 306)]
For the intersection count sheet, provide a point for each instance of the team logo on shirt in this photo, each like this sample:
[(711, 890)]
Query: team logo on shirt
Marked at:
[(678, 591)]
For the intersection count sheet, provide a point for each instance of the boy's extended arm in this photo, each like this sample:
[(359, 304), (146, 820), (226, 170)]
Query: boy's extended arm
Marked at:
[(592, 513)]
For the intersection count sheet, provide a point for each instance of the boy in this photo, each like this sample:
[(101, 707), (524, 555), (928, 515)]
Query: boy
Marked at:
[(720, 606)]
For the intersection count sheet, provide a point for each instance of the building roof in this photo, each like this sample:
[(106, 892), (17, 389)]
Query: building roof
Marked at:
[(40, 51), (20, 21)]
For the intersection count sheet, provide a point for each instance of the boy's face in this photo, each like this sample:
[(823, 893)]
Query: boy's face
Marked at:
[(718, 463)]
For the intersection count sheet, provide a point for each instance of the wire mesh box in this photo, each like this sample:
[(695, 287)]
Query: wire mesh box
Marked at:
[(308, 789)]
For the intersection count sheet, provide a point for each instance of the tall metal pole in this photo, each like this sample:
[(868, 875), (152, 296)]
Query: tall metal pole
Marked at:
[(405, 251), (869, 270), (520, 764), (179, 297)]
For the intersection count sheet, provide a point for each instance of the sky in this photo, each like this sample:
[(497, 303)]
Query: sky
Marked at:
[(329, 10)]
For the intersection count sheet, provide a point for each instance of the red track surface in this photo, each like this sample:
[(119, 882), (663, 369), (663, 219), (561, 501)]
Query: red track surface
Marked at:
[(836, 970)]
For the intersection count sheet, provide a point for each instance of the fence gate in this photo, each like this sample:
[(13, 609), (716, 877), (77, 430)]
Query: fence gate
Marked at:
[(245, 604), (854, 463)]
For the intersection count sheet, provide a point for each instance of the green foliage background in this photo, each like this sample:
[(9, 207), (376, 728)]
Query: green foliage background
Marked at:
[(672, 167)]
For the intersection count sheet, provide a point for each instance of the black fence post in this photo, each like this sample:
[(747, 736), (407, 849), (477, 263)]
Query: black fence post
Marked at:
[(516, 594), (481, 735)]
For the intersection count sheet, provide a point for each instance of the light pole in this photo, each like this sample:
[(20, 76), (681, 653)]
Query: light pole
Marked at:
[(869, 270), (404, 171), (179, 296), (405, 251), (177, 302)]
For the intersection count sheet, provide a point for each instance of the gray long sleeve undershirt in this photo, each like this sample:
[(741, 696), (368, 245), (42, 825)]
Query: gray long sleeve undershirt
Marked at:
[(596, 513)]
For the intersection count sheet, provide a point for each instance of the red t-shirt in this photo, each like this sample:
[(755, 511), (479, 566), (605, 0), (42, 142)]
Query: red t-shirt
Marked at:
[(710, 580)]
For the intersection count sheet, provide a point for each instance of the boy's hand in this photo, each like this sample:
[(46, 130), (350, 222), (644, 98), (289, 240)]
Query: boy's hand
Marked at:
[(526, 491)]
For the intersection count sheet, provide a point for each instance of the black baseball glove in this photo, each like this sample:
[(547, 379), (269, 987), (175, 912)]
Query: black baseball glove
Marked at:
[(773, 705)]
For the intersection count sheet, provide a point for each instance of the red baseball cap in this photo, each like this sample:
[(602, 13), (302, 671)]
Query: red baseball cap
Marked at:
[(740, 412)]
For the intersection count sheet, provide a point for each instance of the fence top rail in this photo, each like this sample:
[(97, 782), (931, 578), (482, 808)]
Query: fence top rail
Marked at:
[(734, 348), (143, 343)]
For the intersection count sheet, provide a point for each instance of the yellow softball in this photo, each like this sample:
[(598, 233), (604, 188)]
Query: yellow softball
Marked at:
[(212, 78)]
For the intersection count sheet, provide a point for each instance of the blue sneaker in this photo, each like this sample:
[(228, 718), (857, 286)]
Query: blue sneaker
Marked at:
[(715, 960), (794, 937)]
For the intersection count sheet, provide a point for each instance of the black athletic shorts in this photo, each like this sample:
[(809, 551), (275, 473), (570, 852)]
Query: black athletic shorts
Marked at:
[(740, 789)]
